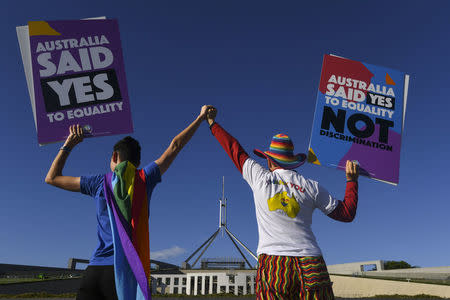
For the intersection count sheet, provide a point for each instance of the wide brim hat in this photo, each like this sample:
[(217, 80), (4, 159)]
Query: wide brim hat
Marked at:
[(281, 152)]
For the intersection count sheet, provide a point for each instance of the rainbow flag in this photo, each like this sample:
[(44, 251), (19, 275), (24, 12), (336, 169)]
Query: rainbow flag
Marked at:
[(126, 195)]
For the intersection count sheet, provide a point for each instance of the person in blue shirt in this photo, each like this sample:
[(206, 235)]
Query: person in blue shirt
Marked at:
[(98, 281)]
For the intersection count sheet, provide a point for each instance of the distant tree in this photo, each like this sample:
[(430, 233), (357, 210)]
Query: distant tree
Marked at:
[(393, 264)]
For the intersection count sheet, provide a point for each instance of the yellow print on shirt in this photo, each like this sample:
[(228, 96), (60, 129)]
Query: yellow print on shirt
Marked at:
[(285, 203)]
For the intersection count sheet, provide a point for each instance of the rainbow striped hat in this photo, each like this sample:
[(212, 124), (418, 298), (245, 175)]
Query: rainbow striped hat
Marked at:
[(281, 152)]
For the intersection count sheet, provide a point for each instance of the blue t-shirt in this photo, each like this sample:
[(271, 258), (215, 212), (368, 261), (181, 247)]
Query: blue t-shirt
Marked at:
[(93, 186)]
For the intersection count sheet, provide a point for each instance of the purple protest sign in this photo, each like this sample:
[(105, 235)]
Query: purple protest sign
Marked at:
[(79, 78)]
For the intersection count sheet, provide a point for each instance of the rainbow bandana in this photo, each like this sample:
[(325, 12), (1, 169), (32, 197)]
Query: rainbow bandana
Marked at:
[(126, 195), (281, 152)]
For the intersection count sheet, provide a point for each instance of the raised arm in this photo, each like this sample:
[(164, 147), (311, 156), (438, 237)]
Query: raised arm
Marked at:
[(180, 141), (228, 143), (54, 174), (346, 210)]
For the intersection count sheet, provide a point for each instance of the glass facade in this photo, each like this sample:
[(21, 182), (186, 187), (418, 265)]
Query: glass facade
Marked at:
[(240, 290), (214, 286), (199, 285), (192, 284), (231, 278), (231, 287), (207, 284)]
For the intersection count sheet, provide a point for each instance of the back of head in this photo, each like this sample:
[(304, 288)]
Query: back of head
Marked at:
[(129, 149)]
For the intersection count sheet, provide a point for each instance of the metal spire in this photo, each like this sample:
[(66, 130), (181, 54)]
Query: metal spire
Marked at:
[(223, 228)]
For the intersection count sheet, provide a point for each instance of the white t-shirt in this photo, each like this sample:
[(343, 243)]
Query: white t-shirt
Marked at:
[(284, 202)]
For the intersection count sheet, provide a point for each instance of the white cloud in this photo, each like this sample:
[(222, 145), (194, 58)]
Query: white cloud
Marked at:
[(167, 253)]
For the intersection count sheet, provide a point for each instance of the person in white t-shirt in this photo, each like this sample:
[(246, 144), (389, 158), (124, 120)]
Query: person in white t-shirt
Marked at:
[(290, 262)]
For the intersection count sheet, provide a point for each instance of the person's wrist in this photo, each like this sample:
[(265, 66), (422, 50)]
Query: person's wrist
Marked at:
[(66, 148), (211, 124), (70, 145)]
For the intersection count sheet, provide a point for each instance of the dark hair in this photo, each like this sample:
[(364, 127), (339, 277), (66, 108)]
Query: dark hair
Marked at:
[(129, 149)]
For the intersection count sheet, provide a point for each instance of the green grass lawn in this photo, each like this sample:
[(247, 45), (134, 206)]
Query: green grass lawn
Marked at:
[(72, 295), (18, 280), (39, 295), (22, 280)]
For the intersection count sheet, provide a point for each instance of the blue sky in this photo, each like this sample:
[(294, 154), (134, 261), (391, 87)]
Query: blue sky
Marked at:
[(259, 63)]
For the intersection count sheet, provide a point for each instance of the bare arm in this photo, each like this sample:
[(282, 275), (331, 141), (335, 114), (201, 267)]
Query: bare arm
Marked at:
[(180, 141), (54, 174)]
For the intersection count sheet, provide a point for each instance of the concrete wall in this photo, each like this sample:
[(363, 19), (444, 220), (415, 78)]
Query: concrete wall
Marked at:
[(354, 268), (418, 276), (442, 270), (436, 270), (353, 287), (438, 273)]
